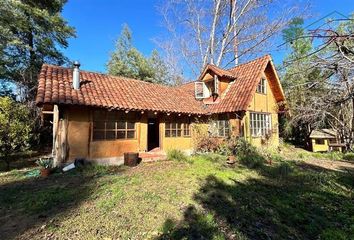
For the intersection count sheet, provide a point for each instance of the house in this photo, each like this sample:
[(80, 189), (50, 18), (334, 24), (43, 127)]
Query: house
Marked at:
[(324, 140), (100, 117)]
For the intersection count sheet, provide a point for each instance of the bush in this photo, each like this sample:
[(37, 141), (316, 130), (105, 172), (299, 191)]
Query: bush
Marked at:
[(329, 234), (248, 154), (45, 162), (15, 130), (223, 149), (176, 155), (208, 144), (349, 156)]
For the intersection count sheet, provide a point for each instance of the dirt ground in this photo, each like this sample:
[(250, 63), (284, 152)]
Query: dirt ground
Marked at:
[(336, 165)]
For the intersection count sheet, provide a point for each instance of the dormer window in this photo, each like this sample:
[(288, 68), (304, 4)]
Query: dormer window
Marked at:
[(262, 86), (201, 90)]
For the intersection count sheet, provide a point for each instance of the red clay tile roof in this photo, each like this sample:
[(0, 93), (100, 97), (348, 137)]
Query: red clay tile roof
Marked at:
[(240, 93), (218, 71), (101, 90)]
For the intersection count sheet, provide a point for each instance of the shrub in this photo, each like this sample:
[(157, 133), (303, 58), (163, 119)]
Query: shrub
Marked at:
[(207, 144), (349, 156), (176, 155), (223, 149), (15, 130), (248, 154), (329, 234), (45, 162)]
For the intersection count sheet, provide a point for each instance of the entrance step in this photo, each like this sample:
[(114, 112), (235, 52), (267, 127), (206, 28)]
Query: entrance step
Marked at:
[(152, 156)]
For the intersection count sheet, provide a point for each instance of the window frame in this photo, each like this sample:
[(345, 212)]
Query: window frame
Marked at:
[(260, 124), (220, 124), (187, 129), (320, 141), (262, 86), (112, 117), (174, 128)]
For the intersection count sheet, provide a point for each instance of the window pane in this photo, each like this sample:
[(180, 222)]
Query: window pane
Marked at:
[(131, 134), (98, 125), (98, 135), (221, 132), (131, 125), (120, 125), (121, 134), (110, 135), (110, 125), (173, 133), (179, 132), (167, 133)]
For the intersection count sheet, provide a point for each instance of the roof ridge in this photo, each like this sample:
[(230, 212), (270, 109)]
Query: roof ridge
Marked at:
[(108, 75), (264, 56)]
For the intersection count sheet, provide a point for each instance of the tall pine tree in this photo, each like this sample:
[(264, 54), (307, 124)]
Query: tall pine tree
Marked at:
[(31, 32), (127, 61)]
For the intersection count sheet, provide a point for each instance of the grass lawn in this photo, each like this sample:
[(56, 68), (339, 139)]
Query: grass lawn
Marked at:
[(201, 198)]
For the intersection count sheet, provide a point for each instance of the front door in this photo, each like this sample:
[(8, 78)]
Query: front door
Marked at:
[(153, 134)]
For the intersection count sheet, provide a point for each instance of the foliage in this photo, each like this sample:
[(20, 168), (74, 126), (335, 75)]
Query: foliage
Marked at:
[(318, 81), (176, 155), (229, 146), (297, 80), (208, 144), (248, 154), (15, 130), (127, 61), (348, 156), (31, 33), (45, 162), (6, 90)]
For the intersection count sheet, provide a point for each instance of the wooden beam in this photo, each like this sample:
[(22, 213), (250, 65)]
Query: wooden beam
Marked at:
[(55, 135), (48, 112)]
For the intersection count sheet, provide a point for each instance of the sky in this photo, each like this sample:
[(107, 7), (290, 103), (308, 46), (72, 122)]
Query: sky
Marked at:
[(98, 23)]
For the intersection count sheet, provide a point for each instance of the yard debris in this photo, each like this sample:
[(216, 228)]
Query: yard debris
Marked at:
[(69, 167), (77, 163)]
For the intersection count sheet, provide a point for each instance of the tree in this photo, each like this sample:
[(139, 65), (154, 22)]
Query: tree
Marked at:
[(298, 80), (15, 131), (31, 32), (330, 95), (127, 61), (221, 32)]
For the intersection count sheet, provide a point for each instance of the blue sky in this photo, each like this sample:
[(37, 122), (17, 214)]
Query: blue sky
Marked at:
[(98, 23)]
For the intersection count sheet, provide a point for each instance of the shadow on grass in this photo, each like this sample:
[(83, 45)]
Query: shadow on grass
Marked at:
[(21, 160), (34, 202), (306, 204)]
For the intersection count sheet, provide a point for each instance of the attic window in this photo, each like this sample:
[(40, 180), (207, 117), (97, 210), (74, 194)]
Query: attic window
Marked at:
[(262, 86)]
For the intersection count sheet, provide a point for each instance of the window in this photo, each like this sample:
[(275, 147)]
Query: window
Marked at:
[(261, 87), (112, 125), (173, 129), (260, 124), (220, 128), (320, 141), (186, 129)]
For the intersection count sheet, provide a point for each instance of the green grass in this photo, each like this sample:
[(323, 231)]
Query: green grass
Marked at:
[(201, 198)]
